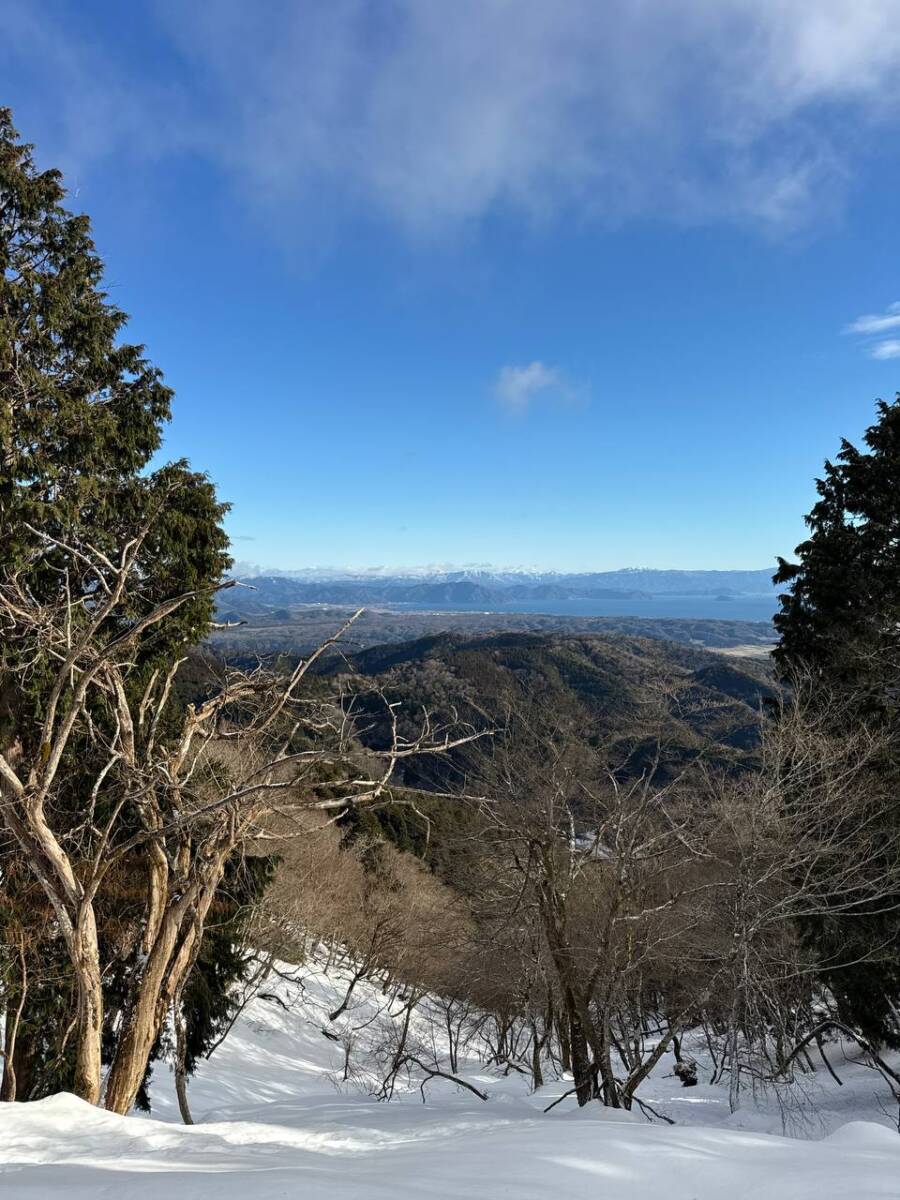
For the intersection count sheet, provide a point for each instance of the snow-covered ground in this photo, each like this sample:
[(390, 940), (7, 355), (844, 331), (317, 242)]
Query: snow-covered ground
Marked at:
[(275, 1121)]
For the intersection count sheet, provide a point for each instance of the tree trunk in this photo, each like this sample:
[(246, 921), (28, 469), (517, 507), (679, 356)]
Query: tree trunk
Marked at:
[(553, 914), (165, 971), (734, 1080), (604, 1063), (8, 1079), (582, 1070), (180, 1061), (146, 1009), (354, 980), (144, 1014), (451, 1040), (637, 1077), (16, 997), (52, 867), (565, 1049), (89, 1026), (537, 1045)]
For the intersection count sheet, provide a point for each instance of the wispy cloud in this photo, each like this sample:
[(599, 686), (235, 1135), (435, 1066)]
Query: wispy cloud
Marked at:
[(886, 349), (516, 387), (877, 322), (871, 326), (431, 116)]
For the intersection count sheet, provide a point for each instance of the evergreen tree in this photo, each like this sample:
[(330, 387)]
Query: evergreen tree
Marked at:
[(82, 412), (209, 1004), (840, 617), (839, 628), (81, 415)]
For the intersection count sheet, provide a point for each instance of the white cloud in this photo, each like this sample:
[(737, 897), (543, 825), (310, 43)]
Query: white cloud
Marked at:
[(517, 386), (430, 116), (871, 325)]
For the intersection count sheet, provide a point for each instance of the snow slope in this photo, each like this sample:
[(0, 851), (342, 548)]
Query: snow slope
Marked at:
[(274, 1121)]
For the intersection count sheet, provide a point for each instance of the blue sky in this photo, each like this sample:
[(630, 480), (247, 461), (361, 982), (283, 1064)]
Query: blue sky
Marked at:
[(564, 284)]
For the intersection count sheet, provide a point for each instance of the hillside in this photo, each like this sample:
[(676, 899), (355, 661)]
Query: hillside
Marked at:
[(275, 1121), (619, 696)]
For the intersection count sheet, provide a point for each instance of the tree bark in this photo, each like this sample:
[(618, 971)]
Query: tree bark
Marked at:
[(166, 967), (552, 912), (86, 962), (16, 998), (180, 1061)]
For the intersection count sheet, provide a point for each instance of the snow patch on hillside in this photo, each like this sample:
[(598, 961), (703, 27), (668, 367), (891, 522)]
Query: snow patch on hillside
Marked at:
[(275, 1120)]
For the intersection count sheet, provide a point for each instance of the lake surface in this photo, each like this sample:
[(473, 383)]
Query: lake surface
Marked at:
[(706, 608)]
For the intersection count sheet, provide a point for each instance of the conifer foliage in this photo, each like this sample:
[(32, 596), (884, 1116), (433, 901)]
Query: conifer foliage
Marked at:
[(91, 544), (81, 414), (840, 616), (839, 630)]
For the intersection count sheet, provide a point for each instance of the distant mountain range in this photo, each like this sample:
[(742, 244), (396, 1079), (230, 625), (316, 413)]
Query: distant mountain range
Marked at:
[(484, 587)]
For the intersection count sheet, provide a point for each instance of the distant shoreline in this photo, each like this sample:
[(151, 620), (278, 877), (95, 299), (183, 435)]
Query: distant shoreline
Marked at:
[(753, 609)]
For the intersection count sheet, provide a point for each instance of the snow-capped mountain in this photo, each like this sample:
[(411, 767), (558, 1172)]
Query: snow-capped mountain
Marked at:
[(627, 580)]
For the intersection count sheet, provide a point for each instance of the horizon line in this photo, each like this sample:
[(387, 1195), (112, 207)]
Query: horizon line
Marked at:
[(244, 567)]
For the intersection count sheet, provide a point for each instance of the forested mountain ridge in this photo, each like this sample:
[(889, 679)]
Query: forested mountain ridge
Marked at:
[(300, 629), (620, 696)]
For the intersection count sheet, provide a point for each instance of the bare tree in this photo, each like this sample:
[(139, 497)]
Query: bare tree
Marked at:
[(804, 838), (175, 794), (641, 906), (593, 872)]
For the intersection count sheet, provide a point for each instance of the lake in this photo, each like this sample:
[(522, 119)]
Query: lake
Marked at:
[(706, 608)]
